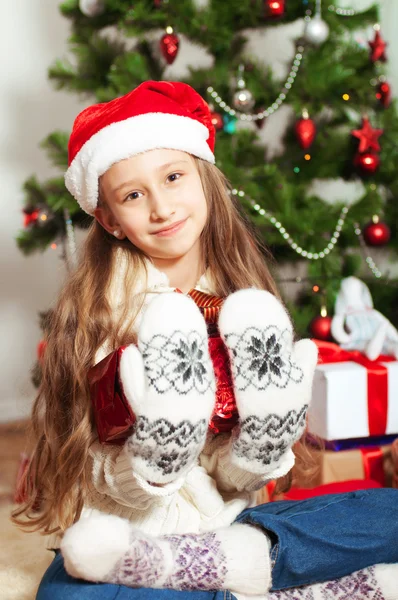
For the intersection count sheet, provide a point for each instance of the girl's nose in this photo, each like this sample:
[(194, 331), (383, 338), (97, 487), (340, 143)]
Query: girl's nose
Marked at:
[(162, 206)]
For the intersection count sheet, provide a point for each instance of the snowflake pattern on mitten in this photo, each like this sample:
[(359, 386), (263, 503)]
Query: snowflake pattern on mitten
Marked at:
[(263, 358), (166, 447), (357, 586), (200, 563), (177, 362), (267, 440), (143, 565)]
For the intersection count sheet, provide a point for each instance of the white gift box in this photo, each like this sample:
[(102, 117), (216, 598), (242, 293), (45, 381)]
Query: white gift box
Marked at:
[(339, 404)]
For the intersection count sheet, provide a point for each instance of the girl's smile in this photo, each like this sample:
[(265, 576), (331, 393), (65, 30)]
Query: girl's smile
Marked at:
[(171, 230)]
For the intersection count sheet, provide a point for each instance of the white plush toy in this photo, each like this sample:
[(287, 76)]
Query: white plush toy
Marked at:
[(356, 325)]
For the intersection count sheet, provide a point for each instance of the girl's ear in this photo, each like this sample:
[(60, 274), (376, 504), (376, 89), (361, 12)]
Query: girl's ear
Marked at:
[(106, 218)]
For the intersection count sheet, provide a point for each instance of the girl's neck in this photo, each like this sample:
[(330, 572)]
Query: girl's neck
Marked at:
[(182, 273)]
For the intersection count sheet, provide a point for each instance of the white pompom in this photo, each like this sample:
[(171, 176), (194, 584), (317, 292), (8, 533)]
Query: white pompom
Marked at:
[(92, 546), (92, 8)]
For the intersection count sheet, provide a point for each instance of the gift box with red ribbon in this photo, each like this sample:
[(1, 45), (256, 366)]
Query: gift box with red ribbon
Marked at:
[(352, 396), (374, 463)]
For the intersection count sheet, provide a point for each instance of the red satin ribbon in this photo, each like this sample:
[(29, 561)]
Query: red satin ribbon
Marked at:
[(225, 414), (377, 381), (210, 305), (372, 459)]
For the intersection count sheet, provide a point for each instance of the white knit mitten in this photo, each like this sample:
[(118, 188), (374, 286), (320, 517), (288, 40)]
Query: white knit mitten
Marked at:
[(272, 378), (170, 385), (109, 549)]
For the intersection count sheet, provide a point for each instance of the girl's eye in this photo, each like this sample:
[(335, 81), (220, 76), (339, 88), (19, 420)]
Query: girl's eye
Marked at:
[(174, 176), (133, 196)]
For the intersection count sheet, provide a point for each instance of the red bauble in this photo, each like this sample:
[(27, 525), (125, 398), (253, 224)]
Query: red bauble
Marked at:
[(383, 94), (376, 233), (321, 328), (41, 346), (367, 163), (217, 120), (31, 216), (378, 48), (368, 137), (169, 47), (305, 130), (274, 8)]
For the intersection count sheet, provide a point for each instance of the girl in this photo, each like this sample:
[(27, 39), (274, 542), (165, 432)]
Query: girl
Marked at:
[(170, 505)]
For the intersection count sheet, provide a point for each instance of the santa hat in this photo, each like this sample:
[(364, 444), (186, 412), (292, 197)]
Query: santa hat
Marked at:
[(156, 114)]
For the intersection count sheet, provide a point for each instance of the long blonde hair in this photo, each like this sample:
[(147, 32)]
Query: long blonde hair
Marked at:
[(62, 426)]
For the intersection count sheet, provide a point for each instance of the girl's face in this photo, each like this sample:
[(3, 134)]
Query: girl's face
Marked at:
[(157, 201)]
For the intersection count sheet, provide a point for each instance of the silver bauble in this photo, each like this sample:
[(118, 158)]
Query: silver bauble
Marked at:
[(92, 8), (316, 31), (243, 100)]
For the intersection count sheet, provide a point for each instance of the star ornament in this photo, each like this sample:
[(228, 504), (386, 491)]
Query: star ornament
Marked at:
[(368, 137), (378, 48)]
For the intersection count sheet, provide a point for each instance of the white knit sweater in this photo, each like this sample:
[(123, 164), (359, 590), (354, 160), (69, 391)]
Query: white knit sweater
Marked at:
[(210, 495)]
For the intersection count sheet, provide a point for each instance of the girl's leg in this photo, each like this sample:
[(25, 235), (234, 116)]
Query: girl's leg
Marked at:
[(328, 537), (58, 585)]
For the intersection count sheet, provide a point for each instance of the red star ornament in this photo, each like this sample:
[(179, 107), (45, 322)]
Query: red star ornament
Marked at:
[(368, 137), (378, 48)]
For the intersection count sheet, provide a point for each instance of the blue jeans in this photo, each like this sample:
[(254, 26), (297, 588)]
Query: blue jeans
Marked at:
[(318, 539)]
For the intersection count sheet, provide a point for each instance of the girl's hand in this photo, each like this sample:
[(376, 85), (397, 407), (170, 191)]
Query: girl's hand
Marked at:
[(272, 378), (169, 383)]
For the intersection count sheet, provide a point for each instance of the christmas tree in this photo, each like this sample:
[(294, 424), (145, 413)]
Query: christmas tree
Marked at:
[(344, 126)]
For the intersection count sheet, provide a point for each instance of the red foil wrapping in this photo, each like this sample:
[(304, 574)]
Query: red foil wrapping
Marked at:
[(225, 414), (112, 413)]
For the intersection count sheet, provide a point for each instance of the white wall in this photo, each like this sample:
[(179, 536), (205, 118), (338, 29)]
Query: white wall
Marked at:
[(33, 34)]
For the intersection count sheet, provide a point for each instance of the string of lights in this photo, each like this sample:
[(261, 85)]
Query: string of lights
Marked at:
[(274, 106), (342, 12), (286, 235)]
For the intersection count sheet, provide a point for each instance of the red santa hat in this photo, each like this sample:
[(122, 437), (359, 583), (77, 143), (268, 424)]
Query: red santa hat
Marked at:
[(156, 114)]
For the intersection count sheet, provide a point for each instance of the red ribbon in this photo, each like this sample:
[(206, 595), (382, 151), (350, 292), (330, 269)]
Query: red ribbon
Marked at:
[(377, 381), (225, 414), (372, 459)]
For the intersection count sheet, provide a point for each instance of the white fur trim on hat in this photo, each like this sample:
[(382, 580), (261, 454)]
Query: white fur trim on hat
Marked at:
[(124, 139)]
